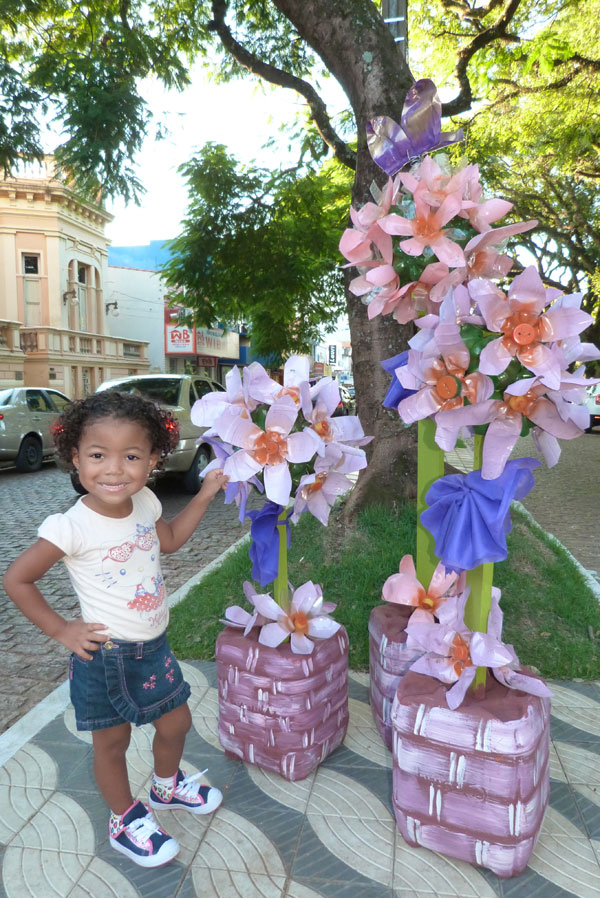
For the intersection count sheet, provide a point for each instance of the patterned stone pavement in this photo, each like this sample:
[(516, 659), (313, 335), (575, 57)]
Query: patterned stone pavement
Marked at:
[(331, 835)]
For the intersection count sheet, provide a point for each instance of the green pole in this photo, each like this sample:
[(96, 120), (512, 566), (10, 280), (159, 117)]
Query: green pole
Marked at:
[(280, 585), (430, 467), (480, 579)]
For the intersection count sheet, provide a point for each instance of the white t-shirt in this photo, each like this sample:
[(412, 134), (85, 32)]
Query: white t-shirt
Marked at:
[(114, 566)]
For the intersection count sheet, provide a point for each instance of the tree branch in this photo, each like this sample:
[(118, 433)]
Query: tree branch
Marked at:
[(464, 99), (274, 75)]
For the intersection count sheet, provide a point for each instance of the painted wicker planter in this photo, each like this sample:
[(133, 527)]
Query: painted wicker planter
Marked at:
[(472, 783), (281, 711), (389, 660)]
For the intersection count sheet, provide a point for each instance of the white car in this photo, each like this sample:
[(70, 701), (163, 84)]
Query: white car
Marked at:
[(593, 405), (26, 416), (177, 393)]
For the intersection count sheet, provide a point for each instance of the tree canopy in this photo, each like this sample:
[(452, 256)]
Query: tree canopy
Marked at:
[(258, 246)]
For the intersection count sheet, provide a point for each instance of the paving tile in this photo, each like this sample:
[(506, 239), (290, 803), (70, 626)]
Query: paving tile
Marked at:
[(573, 728), (569, 862), (316, 865), (580, 761), (211, 883), (233, 843), (571, 693), (33, 871), (376, 781), (588, 802), (336, 889), (431, 874), (563, 803), (531, 885)]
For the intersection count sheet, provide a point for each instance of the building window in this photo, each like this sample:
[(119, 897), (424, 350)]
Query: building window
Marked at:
[(31, 289), (82, 296), (31, 265)]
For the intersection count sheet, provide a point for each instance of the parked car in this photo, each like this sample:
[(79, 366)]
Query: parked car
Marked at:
[(26, 416), (348, 400), (177, 393), (593, 405)]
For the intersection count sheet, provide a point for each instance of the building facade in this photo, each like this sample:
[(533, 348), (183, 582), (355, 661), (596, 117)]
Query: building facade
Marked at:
[(53, 278)]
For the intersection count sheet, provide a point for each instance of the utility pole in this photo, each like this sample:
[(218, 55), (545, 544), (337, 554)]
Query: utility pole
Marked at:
[(394, 14)]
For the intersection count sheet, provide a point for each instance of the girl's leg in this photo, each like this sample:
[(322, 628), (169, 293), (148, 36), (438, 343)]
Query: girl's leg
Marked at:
[(110, 767), (169, 739)]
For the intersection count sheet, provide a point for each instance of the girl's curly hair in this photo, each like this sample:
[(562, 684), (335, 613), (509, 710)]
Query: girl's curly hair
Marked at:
[(161, 426)]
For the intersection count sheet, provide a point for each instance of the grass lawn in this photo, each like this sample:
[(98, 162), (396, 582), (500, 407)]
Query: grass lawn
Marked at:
[(548, 607)]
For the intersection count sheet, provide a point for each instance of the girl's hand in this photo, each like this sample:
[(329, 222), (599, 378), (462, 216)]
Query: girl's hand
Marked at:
[(82, 638), (213, 482)]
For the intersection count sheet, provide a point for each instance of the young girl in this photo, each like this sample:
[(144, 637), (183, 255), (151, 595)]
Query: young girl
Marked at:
[(122, 670)]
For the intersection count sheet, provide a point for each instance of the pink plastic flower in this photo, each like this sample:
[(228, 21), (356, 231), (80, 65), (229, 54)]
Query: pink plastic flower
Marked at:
[(362, 242), (453, 652), (526, 325), (267, 450), (426, 229), (439, 374), (435, 183), (307, 619), (482, 213), (527, 398), (404, 588)]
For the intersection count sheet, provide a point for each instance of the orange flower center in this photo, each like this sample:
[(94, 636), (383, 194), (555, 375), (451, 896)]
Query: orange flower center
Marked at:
[(294, 392), (426, 226), (270, 448), (524, 405), (299, 622), (459, 654), (520, 329), (323, 428), (447, 387), (318, 483), (428, 603)]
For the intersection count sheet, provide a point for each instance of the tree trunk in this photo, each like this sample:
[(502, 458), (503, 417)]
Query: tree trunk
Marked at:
[(356, 46)]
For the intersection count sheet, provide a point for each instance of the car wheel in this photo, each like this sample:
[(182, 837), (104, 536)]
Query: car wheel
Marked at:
[(192, 480), (76, 484), (29, 457)]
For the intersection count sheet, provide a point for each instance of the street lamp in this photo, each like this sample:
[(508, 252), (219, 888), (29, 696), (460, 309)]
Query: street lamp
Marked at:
[(70, 294), (113, 306)]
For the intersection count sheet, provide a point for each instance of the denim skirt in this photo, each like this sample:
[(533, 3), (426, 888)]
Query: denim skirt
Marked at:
[(133, 682)]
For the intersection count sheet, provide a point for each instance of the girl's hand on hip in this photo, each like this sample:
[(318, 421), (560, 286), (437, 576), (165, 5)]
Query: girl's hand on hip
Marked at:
[(82, 638)]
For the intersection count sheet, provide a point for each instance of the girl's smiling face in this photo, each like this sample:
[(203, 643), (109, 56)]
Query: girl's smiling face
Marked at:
[(114, 459)]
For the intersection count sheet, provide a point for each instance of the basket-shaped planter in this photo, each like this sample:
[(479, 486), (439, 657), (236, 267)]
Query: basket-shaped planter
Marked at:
[(471, 783), (281, 711), (389, 660)]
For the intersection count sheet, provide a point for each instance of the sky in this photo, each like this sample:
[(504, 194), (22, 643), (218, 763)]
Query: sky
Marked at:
[(240, 115)]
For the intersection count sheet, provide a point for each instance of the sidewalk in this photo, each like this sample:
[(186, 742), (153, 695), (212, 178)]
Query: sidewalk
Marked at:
[(331, 835)]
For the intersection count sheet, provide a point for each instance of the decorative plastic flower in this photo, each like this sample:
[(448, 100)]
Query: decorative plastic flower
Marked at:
[(263, 388), (427, 229), (453, 652), (527, 398), (404, 588), (235, 399), (236, 616), (267, 450), (343, 429), (307, 619), (317, 493), (234, 492), (526, 326), (439, 375)]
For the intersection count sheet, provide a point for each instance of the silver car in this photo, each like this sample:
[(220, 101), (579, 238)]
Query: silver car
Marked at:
[(26, 416), (177, 393)]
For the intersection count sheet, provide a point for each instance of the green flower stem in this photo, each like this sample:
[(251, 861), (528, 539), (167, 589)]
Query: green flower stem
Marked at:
[(430, 460), (480, 579), (280, 585)]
